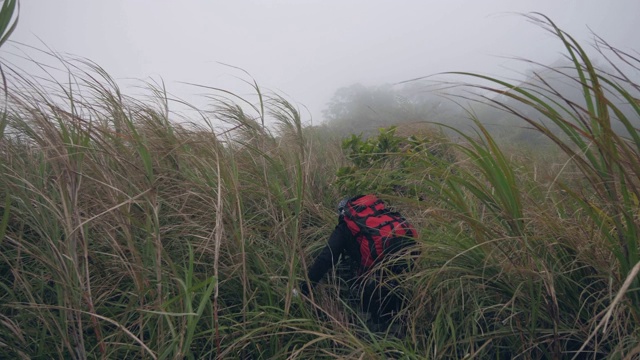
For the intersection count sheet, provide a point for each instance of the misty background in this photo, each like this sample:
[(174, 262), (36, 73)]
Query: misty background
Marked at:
[(321, 55)]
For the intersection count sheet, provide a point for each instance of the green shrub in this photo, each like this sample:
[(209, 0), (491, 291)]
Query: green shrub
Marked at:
[(392, 165)]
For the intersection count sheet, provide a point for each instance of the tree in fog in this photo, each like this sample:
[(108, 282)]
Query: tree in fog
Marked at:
[(359, 108)]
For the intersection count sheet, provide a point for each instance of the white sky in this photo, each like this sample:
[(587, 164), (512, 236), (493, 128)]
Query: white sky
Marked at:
[(307, 49)]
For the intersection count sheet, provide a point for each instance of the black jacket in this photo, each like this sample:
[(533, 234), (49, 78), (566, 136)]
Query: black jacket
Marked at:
[(341, 242)]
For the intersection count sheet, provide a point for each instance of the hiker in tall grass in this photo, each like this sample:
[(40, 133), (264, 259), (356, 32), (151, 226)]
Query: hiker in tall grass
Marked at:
[(373, 238)]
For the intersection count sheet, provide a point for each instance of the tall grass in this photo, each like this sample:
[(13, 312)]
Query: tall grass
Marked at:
[(551, 273), (126, 233), (129, 234)]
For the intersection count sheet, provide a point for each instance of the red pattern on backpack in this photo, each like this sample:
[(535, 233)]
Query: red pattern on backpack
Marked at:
[(375, 228)]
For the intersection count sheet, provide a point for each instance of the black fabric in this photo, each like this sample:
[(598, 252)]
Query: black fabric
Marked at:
[(382, 300), (372, 245), (341, 242), (398, 249), (304, 288)]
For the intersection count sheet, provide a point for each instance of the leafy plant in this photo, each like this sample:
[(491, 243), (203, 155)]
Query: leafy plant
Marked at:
[(391, 164), (8, 23)]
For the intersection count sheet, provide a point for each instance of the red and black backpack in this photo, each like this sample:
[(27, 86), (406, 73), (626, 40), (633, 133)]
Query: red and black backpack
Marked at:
[(377, 230)]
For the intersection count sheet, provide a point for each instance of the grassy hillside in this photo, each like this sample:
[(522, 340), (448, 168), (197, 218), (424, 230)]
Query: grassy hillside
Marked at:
[(126, 234)]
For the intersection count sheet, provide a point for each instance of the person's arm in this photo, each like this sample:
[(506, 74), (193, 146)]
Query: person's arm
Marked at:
[(329, 255)]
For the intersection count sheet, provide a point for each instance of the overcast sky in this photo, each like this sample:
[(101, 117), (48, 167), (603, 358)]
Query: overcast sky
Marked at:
[(307, 49)]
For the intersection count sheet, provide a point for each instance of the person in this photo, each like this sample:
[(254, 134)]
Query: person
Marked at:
[(369, 235)]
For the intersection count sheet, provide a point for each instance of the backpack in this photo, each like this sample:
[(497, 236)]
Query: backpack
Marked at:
[(377, 230)]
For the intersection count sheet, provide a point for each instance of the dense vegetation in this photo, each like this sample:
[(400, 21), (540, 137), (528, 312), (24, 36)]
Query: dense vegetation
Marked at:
[(124, 234)]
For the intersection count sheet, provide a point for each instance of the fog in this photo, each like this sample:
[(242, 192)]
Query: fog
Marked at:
[(306, 50)]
